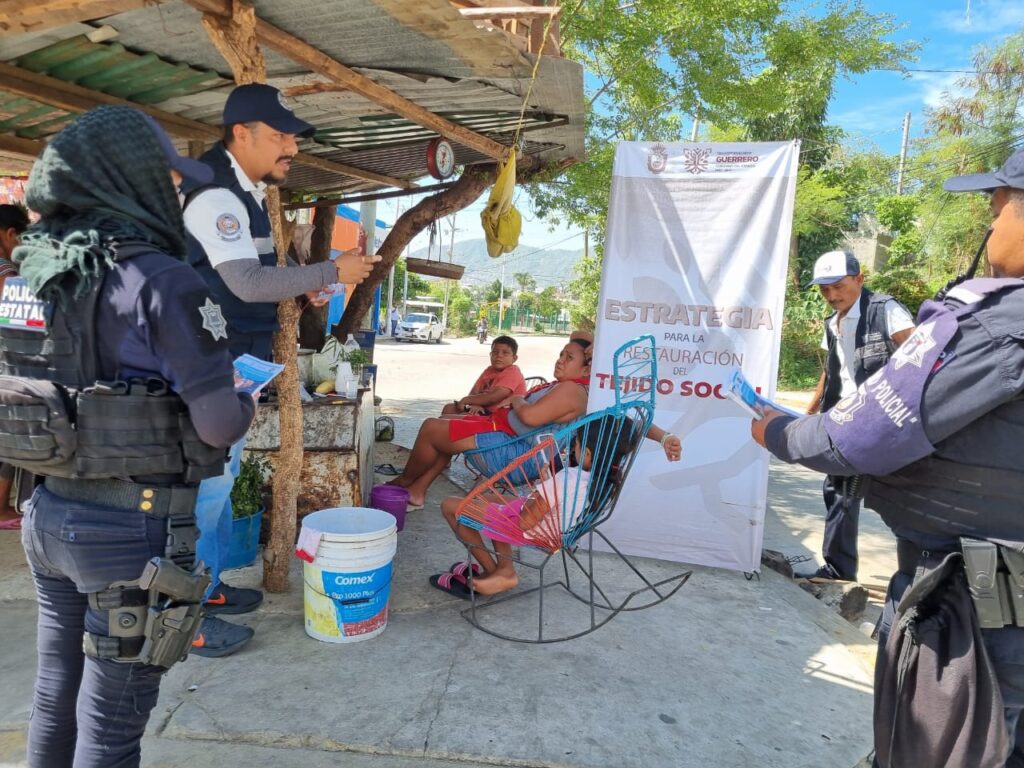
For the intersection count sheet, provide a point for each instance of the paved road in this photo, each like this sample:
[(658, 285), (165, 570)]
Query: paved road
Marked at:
[(447, 370)]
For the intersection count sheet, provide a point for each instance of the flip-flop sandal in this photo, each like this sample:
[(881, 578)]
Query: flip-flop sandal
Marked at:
[(387, 469), (14, 524), (410, 507), (458, 570), (446, 582)]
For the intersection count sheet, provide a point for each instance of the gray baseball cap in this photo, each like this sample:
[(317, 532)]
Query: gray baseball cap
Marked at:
[(1010, 174)]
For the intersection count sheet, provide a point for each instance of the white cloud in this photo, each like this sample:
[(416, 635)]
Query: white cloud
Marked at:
[(999, 17)]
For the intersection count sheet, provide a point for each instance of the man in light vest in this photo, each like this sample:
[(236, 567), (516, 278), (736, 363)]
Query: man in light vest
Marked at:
[(860, 335), (232, 247)]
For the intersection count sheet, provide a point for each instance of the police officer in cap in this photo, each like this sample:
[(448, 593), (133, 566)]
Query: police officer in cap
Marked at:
[(232, 247), (117, 390), (939, 431)]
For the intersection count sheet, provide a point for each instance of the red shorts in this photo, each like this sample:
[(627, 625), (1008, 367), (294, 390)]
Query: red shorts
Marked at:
[(467, 426)]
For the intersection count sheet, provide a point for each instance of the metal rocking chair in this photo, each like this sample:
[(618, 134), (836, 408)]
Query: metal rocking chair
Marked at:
[(549, 503)]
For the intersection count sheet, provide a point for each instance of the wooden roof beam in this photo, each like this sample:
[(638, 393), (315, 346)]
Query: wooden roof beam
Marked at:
[(15, 145), (510, 12), (319, 62), (75, 98), (20, 16)]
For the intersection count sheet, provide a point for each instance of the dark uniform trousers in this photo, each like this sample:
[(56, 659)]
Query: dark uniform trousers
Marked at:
[(1006, 650), (842, 519), (75, 548)]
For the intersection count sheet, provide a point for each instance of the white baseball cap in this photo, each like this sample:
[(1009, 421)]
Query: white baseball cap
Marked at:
[(833, 266)]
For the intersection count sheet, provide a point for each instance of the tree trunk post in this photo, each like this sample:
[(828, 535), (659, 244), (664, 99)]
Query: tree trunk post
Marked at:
[(236, 41)]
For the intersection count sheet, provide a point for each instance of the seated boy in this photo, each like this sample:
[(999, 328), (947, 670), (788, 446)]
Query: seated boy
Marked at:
[(499, 381)]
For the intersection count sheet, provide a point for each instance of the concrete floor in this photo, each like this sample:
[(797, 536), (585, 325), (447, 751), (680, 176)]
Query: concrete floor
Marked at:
[(728, 673)]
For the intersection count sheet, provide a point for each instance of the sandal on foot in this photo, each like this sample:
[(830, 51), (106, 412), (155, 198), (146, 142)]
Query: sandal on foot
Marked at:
[(459, 570), (410, 507), (446, 582), (13, 524)]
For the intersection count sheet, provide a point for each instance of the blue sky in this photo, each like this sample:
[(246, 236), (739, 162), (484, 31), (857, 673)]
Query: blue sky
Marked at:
[(869, 107)]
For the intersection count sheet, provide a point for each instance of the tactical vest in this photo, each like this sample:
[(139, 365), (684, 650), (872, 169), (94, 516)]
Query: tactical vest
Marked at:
[(972, 485), (58, 419), (873, 347), (255, 318)]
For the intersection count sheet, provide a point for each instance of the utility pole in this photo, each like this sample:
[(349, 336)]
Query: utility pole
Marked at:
[(693, 131), (368, 221), (903, 153), (447, 282)]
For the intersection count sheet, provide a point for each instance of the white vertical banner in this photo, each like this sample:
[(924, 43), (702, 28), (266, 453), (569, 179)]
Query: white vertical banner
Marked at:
[(695, 254)]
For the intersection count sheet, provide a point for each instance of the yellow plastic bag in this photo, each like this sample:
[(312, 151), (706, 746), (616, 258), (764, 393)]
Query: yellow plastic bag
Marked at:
[(501, 221)]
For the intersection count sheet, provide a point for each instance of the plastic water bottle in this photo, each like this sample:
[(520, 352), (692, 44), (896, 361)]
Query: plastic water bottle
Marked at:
[(350, 345)]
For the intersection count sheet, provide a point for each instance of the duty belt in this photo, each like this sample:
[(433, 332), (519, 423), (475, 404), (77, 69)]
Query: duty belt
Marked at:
[(995, 576), (175, 503)]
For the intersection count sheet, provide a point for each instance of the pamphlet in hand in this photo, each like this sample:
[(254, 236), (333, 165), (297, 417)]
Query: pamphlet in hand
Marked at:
[(743, 394), (253, 374)]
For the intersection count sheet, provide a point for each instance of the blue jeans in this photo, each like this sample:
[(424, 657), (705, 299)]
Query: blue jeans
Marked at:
[(86, 712), (213, 515)]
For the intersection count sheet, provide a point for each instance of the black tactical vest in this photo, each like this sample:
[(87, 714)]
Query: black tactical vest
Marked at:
[(258, 318), (873, 347), (58, 419)]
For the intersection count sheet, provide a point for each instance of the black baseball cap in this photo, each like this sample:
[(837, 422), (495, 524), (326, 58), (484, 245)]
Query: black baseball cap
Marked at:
[(186, 166), (1010, 174), (262, 103)]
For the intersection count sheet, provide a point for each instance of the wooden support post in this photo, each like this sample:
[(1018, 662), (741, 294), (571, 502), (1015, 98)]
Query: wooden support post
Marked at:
[(235, 39)]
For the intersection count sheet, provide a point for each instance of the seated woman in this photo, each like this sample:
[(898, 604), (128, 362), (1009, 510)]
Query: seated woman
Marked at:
[(499, 381), (542, 515), (559, 402)]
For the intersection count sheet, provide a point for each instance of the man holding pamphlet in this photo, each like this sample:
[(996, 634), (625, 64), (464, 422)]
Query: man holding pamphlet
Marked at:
[(232, 247)]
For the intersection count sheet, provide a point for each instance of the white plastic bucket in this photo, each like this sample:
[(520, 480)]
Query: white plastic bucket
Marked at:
[(348, 584)]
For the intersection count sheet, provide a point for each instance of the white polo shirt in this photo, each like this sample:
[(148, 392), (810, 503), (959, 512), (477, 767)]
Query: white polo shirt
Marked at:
[(219, 221), (896, 319)]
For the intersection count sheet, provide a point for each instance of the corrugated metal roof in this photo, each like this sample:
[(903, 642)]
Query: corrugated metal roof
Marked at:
[(423, 51)]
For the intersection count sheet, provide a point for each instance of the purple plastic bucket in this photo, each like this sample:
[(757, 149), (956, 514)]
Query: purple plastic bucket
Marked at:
[(392, 499)]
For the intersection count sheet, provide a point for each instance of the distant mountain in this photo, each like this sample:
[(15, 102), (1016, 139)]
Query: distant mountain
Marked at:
[(549, 266)]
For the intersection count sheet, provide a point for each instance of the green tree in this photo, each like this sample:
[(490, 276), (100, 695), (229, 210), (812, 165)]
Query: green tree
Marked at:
[(761, 64), (417, 285), (493, 292), (978, 125), (547, 304), (526, 282)]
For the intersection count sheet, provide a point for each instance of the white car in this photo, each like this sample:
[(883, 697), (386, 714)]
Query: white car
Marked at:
[(420, 327)]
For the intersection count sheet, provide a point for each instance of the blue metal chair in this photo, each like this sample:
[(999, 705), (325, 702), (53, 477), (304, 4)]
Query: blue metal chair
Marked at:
[(551, 499)]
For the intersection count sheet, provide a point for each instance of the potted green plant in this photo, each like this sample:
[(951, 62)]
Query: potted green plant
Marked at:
[(247, 510)]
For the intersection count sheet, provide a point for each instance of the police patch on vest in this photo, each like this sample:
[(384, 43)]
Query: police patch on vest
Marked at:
[(19, 307), (916, 347), (213, 320), (844, 410), (229, 229)]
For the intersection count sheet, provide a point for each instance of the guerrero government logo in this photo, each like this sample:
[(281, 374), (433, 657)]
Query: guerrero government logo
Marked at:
[(696, 160)]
